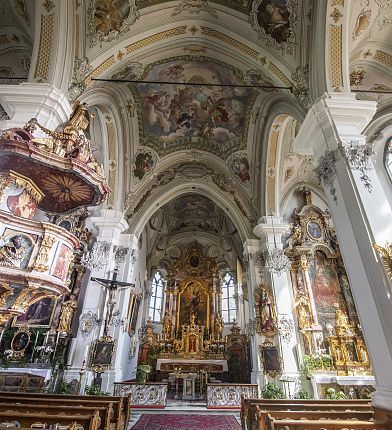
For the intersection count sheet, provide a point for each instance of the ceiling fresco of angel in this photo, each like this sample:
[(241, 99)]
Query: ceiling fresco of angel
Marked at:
[(178, 116)]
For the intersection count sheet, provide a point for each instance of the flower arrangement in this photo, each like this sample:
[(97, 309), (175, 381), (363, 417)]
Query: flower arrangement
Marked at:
[(317, 361), (272, 391)]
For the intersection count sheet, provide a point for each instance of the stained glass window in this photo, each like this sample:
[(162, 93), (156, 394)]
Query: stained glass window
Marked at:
[(388, 157)]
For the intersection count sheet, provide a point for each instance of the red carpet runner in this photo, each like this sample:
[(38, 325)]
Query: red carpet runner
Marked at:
[(186, 422)]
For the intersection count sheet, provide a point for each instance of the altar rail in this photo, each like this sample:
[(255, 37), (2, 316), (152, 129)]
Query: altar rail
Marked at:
[(150, 394), (228, 396)]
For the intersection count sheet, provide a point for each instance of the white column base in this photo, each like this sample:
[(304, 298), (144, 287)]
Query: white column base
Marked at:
[(382, 398)]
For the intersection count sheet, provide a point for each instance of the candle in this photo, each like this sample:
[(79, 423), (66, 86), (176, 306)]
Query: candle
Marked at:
[(46, 338), (55, 346), (35, 344), (1, 335)]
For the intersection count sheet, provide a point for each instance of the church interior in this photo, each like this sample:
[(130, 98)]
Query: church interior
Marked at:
[(195, 214)]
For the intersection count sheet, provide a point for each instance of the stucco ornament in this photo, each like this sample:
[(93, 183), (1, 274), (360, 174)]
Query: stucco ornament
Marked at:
[(326, 173), (107, 19), (195, 6)]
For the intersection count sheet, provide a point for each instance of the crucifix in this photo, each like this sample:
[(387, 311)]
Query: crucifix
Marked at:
[(113, 286)]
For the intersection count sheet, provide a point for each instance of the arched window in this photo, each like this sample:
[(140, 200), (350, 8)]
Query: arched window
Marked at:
[(229, 311), (388, 157), (156, 301)]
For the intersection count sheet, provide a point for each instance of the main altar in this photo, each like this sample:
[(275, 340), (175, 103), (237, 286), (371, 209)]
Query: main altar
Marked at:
[(191, 347)]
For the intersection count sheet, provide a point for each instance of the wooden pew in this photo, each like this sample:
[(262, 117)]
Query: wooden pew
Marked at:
[(87, 421), (312, 415), (119, 407), (105, 413), (277, 424), (250, 407)]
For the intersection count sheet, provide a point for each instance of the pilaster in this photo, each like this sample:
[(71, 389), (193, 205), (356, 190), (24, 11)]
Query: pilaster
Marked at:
[(252, 252), (271, 229)]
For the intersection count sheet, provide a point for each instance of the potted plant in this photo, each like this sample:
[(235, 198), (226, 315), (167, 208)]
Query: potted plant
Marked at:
[(272, 391), (332, 394), (142, 372)]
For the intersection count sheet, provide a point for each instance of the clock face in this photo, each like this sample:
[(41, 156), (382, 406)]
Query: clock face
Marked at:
[(314, 230)]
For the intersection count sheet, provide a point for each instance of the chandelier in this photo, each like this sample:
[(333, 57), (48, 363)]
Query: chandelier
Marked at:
[(97, 257), (276, 262)]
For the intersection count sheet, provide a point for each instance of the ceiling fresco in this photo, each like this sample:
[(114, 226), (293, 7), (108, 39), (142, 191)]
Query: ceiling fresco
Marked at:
[(175, 117), (370, 47), (185, 219)]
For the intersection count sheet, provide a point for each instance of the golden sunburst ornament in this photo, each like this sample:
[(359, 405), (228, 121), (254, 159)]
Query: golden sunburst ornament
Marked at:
[(66, 189)]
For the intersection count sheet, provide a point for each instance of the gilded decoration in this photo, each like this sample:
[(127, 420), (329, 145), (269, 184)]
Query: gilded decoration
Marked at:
[(270, 359), (75, 179), (275, 22), (363, 20), (347, 346), (386, 253), (323, 300), (266, 318), (109, 19), (102, 354), (20, 342), (179, 117), (195, 6), (192, 323), (67, 312)]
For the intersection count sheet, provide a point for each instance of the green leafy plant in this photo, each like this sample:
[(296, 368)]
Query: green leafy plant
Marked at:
[(315, 362), (65, 387), (142, 372), (272, 391), (332, 394), (95, 390), (302, 394)]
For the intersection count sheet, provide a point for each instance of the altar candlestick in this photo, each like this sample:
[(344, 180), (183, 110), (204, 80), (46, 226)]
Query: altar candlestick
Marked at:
[(35, 344), (46, 338), (55, 346)]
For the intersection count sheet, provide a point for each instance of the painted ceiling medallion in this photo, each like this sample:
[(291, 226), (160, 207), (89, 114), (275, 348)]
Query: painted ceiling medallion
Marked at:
[(195, 6), (145, 161), (275, 20), (180, 116), (363, 20), (109, 19), (66, 189)]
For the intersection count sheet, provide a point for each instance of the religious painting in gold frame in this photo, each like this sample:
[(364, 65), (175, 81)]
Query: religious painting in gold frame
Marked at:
[(270, 358), (194, 300), (102, 354), (133, 312), (20, 341)]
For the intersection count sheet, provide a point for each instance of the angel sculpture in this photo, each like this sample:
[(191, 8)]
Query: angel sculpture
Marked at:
[(386, 254)]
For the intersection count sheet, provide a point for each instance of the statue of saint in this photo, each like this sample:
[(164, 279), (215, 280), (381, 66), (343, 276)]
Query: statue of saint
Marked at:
[(67, 313)]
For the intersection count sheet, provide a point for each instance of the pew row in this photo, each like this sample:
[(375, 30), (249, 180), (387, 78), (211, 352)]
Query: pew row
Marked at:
[(40, 420), (251, 407), (116, 409), (273, 423)]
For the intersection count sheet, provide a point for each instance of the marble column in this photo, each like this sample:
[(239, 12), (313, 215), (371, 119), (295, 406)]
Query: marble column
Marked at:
[(334, 123)]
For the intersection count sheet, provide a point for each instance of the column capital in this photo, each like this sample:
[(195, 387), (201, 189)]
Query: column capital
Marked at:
[(333, 116), (270, 230), (251, 246), (111, 223), (34, 100)]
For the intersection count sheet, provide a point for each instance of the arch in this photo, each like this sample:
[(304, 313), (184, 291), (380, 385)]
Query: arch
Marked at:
[(120, 131), (207, 189)]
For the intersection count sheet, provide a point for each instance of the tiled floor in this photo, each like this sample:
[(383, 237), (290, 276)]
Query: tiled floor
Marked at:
[(175, 407)]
